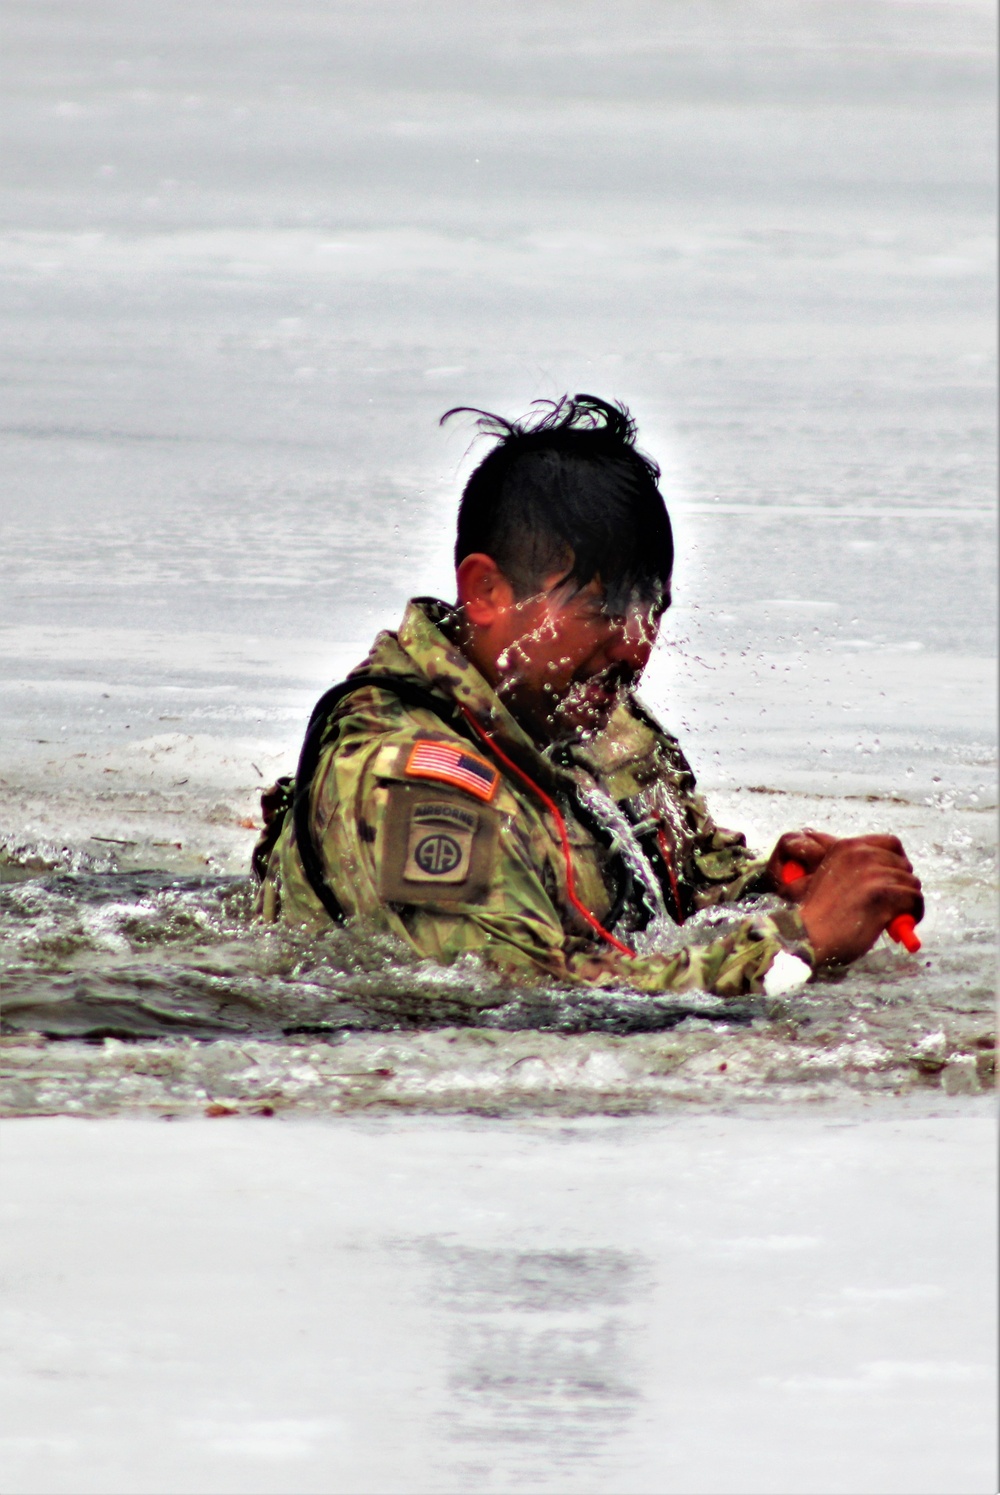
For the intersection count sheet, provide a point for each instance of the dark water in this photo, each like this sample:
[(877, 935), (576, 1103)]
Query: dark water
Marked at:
[(145, 954), (148, 990)]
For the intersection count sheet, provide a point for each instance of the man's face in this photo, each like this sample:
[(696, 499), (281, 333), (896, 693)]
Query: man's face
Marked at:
[(566, 661)]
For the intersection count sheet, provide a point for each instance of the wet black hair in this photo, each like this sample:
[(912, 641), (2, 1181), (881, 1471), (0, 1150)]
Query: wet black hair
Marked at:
[(566, 487)]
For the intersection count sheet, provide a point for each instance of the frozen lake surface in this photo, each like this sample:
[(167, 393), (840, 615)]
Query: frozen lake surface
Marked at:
[(714, 1304), (248, 255)]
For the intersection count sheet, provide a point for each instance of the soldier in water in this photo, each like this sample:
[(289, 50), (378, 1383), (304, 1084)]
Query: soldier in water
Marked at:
[(486, 782)]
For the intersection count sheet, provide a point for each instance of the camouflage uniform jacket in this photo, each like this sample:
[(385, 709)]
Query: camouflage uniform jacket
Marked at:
[(427, 833)]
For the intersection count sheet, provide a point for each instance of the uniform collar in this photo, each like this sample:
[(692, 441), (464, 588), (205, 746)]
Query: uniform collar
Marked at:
[(424, 638)]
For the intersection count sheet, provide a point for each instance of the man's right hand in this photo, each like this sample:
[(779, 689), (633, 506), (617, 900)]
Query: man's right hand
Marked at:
[(861, 884)]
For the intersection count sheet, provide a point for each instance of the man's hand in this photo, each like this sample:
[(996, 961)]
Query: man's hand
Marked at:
[(858, 886), (807, 848)]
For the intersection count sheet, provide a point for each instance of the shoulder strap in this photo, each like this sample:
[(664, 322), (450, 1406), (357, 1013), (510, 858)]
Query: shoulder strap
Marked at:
[(410, 694)]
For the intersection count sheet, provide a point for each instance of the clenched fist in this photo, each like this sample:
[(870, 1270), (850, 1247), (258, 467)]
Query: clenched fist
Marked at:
[(852, 889)]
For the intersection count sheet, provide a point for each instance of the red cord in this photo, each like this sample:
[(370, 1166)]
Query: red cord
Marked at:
[(553, 810), (668, 861)]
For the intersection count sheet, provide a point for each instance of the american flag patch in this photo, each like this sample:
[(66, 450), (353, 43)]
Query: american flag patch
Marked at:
[(450, 765)]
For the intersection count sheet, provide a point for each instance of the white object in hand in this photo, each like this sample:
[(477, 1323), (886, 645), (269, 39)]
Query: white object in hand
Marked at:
[(787, 973)]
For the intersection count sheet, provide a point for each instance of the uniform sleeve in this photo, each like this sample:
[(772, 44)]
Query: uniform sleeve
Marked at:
[(732, 965), (722, 867), (452, 877), (373, 828)]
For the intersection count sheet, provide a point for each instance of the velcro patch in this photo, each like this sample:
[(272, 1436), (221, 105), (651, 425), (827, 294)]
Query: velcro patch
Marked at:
[(449, 764), (434, 846)]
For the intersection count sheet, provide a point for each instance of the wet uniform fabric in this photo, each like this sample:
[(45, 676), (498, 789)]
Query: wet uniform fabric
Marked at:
[(431, 835)]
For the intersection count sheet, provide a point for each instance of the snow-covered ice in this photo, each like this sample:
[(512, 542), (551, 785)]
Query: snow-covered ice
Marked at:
[(787, 1303)]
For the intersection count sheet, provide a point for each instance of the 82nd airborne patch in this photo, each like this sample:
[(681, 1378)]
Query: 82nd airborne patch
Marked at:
[(434, 846), (439, 843)]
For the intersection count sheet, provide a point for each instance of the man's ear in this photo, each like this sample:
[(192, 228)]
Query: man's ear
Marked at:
[(484, 593)]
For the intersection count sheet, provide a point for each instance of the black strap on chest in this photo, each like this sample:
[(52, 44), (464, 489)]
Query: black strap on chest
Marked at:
[(410, 694)]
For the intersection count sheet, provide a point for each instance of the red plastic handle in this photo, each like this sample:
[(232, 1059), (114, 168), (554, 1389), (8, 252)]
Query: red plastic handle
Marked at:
[(902, 929)]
